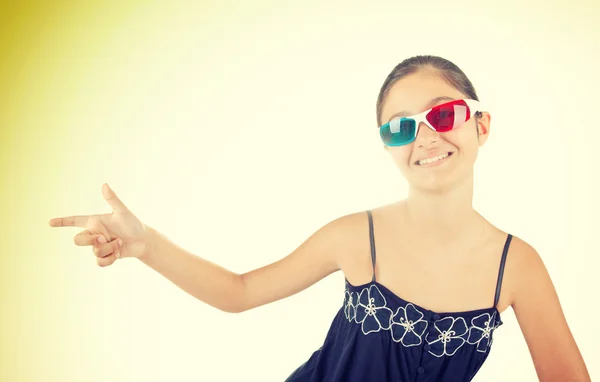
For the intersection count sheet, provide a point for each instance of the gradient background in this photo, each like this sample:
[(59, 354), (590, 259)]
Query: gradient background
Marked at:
[(146, 95)]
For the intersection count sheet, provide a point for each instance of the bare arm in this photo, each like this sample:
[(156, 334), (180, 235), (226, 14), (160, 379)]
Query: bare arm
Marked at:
[(553, 349), (316, 258), (122, 234)]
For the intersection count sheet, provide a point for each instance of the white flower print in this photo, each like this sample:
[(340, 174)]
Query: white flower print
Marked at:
[(480, 332), (450, 333), (372, 311), (349, 305), (408, 326)]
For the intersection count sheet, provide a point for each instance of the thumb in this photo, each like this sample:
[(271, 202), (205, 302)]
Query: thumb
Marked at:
[(112, 199)]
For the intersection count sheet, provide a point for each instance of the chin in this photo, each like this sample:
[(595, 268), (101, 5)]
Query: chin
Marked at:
[(436, 180)]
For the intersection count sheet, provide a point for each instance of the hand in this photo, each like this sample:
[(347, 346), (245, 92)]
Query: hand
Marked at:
[(105, 232)]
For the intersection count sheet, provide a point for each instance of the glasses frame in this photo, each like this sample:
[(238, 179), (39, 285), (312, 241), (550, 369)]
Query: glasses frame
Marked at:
[(395, 123)]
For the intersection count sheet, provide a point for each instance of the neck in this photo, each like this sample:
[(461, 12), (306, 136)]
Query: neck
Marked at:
[(444, 214)]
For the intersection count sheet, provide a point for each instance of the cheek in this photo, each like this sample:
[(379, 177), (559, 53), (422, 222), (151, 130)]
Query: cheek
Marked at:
[(467, 146), (465, 140), (401, 154)]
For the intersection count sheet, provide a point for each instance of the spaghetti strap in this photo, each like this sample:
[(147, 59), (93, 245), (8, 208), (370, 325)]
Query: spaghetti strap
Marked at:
[(501, 271), (372, 239)]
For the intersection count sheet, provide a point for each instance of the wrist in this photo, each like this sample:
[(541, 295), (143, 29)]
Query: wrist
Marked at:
[(150, 238)]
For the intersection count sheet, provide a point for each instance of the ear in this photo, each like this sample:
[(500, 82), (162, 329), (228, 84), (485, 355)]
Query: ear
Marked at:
[(483, 127)]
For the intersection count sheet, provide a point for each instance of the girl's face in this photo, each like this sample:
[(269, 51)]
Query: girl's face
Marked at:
[(419, 92)]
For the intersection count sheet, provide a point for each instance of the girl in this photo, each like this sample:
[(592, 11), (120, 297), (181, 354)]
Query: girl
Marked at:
[(427, 277)]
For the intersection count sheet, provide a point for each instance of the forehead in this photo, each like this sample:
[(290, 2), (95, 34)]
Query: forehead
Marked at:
[(414, 94)]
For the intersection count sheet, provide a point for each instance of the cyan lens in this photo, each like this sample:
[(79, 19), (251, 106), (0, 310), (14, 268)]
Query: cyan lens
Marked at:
[(398, 132)]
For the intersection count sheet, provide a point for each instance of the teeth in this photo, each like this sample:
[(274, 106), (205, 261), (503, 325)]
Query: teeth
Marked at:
[(431, 160)]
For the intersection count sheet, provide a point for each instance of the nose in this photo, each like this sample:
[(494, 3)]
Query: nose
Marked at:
[(426, 136)]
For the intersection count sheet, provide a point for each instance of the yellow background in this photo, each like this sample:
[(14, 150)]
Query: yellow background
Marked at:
[(147, 95)]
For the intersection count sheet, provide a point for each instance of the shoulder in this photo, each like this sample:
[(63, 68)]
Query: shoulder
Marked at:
[(525, 277), (523, 264), (340, 235), (522, 254), (350, 222), (349, 238), (356, 222), (526, 261)]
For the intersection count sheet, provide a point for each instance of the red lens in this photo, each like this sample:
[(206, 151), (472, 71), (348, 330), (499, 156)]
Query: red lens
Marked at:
[(449, 116)]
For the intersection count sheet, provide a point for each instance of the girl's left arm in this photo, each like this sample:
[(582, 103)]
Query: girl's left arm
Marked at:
[(536, 305)]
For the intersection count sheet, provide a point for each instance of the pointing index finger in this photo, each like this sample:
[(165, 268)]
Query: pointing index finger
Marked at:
[(70, 221)]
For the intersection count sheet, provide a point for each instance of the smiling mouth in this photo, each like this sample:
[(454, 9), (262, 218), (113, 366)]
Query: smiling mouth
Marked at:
[(434, 159)]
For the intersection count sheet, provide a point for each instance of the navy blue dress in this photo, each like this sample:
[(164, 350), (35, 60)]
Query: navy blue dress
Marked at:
[(376, 336)]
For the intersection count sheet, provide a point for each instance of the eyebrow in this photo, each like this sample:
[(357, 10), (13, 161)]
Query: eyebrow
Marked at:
[(429, 106)]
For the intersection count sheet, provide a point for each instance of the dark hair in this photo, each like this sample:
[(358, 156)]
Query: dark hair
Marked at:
[(446, 69)]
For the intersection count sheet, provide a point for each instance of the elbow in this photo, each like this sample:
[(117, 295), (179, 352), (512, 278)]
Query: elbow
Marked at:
[(232, 308), (236, 300)]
